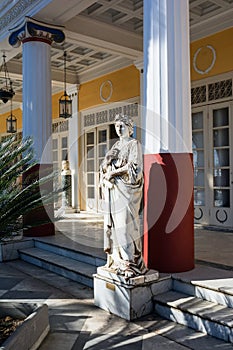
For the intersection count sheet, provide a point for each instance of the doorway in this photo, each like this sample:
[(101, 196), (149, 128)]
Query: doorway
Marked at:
[(212, 157), (97, 142)]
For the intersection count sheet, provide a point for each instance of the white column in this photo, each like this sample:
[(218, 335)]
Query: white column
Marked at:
[(37, 38), (167, 122), (167, 137), (37, 121), (73, 145)]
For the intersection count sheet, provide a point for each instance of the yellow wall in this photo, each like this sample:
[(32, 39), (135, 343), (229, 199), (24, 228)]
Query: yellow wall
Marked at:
[(55, 105), (125, 85), (223, 44)]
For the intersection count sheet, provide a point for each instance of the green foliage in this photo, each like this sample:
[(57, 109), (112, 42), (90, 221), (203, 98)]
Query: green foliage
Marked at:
[(16, 199)]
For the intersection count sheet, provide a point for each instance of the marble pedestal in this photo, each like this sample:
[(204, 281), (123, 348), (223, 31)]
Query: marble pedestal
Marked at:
[(70, 210), (128, 299)]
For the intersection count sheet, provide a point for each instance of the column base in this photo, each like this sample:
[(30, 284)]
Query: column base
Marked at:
[(40, 230), (39, 221), (70, 210), (128, 299), (168, 212)]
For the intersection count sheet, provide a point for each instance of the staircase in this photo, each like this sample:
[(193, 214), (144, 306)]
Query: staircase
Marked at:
[(201, 299), (72, 261)]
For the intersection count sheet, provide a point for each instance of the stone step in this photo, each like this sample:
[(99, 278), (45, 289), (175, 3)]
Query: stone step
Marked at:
[(77, 271), (204, 316), (72, 251), (208, 283), (181, 335)]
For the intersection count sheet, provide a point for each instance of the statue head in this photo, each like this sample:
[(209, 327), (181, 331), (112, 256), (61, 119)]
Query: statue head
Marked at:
[(126, 120), (65, 165)]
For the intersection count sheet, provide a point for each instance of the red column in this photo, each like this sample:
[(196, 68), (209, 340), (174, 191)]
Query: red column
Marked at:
[(39, 222), (168, 212)]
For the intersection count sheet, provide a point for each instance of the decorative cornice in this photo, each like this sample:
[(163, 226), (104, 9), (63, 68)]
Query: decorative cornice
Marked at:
[(211, 25), (73, 89), (15, 12), (139, 64), (32, 29)]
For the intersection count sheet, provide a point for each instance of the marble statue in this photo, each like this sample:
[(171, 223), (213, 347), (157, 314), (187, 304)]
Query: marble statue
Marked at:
[(66, 184), (121, 180), (65, 168)]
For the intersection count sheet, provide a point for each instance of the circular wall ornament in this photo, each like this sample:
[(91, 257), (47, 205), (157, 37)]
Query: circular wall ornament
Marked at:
[(221, 220), (200, 215), (106, 90), (210, 51)]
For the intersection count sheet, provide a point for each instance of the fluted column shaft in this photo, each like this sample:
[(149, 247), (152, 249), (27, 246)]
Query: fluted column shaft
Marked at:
[(37, 107)]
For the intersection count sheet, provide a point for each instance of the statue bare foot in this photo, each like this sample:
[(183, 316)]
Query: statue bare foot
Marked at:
[(129, 274)]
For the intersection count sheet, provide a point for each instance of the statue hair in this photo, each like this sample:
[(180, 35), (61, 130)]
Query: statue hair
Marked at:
[(126, 120)]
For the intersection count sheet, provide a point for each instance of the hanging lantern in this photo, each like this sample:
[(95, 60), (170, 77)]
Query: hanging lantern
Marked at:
[(65, 102), (65, 106), (6, 91), (11, 123)]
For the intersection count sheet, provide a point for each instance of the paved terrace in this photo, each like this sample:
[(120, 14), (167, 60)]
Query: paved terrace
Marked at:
[(77, 324)]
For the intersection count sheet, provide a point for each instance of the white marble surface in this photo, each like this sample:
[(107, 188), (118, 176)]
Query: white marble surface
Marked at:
[(204, 292), (9, 250), (129, 300), (77, 324), (196, 313), (209, 277), (149, 277)]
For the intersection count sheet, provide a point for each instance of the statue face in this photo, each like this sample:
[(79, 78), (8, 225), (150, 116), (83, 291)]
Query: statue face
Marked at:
[(122, 129)]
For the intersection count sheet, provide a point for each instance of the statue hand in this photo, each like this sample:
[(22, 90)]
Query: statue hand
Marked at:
[(108, 176), (112, 154)]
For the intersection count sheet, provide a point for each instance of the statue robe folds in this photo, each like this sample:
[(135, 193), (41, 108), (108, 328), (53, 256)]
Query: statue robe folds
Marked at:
[(123, 194)]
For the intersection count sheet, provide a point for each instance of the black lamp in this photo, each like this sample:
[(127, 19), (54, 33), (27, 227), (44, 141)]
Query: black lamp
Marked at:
[(65, 102), (6, 92), (11, 123)]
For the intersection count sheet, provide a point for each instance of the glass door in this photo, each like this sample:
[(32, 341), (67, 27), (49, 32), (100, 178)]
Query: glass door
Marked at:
[(102, 148), (212, 159), (96, 147), (90, 152), (199, 144), (59, 153), (220, 165)]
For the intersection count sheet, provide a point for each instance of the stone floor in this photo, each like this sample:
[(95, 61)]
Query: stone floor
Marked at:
[(77, 324), (214, 247)]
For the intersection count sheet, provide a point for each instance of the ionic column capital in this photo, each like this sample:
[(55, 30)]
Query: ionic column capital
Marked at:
[(33, 30)]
